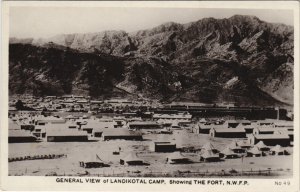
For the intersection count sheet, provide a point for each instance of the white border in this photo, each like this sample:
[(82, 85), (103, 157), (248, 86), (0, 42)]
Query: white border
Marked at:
[(49, 183)]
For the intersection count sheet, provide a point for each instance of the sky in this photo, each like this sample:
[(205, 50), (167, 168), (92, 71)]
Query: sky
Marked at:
[(43, 22)]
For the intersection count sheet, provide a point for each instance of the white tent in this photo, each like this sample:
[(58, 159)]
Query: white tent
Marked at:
[(131, 159), (177, 157), (209, 155), (261, 146), (278, 150), (209, 146), (254, 152)]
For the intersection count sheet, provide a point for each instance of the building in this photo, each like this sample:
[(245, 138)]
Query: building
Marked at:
[(41, 120), (144, 125), (254, 152), (131, 159), (121, 133), (204, 128), (13, 126), (177, 158), (209, 147), (284, 124), (39, 131), (94, 127), (227, 132), (248, 128), (263, 130), (180, 117), (163, 147), (270, 139), (20, 136), (234, 146), (209, 156), (262, 147), (244, 144), (93, 161), (278, 150), (67, 135), (228, 153), (285, 131), (235, 123)]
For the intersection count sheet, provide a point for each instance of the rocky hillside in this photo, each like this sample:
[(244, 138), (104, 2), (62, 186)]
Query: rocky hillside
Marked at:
[(240, 59)]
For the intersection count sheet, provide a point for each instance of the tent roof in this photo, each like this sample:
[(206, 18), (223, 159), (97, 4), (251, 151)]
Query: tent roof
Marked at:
[(202, 120), (176, 155), (234, 145), (272, 136), (255, 150), (260, 144), (92, 158), (208, 146), (132, 157), (277, 148), (19, 133), (231, 130), (209, 154), (243, 143), (227, 151)]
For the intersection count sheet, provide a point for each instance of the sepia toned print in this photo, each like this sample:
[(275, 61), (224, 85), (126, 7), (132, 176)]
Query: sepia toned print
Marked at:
[(144, 95)]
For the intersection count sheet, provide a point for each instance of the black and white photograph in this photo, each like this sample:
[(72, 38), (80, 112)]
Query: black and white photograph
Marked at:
[(151, 92)]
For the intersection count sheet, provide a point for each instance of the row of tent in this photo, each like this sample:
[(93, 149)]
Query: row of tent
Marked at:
[(208, 154), (235, 150)]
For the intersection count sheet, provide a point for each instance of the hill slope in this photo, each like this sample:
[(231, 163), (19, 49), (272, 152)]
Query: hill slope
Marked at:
[(241, 59)]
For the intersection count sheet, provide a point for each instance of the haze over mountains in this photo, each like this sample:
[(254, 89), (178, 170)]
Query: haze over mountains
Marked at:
[(240, 59)]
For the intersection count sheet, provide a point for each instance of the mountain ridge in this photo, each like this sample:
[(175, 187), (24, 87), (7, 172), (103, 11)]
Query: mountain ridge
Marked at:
[(201, 58)]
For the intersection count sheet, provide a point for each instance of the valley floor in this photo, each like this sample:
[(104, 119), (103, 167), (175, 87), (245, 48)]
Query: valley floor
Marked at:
[(267, 166)]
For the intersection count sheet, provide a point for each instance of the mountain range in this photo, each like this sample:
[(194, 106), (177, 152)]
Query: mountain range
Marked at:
[(240, 59)]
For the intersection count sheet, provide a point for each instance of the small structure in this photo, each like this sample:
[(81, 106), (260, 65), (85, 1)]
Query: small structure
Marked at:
[(270, 139), (261, 146), (209, 147), (254, 152), (284, 124), (121, 133), (28, 127), (244, 144), (20, 136), (228, 153), (144, 125), (178, 158), (278, 150), (39, 131), (227, 133), (96, 128), (13, 126), (248, 127), (131, 159), (41, 120), (235, 147), (235, 123), (175, 125), (204, 128), (180, 117), (163, 147), (263, 130), (165, 131), (92, 162), (209, 156), (66, 136)]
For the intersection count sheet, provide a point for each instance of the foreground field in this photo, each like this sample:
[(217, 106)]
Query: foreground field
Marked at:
[(279, 166)]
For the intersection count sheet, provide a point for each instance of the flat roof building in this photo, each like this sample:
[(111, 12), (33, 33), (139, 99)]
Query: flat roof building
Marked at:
[(227, 132), (270, 139)]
